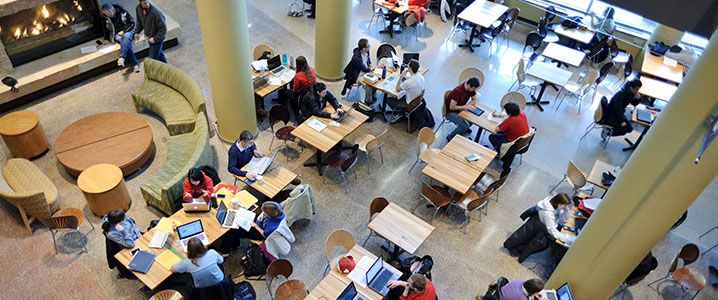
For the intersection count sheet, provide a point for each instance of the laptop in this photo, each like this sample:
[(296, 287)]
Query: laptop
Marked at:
[(196, 206), (226, 217), (259, 165), (477, 111), (141, 261), (377, 277), (408, 57), (350, 293), (343, 115), (579, 223), (562, 293), (189, 230), (644, 115), (275, 66)]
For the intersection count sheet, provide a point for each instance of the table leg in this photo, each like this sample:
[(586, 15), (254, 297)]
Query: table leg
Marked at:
[(383, 107), (478, 134), (537, 100), (318, 163), (390, 29), (470, 42), (633, 145), (394, 252)]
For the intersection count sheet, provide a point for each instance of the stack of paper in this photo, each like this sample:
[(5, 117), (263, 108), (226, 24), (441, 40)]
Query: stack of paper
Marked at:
[(166, 224), (244, 218), (317, 125), (245, 199), (168, 258), (287, 75), (259, 65)]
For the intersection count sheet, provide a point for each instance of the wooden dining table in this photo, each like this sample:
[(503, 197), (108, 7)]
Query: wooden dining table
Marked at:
[(480, 13), (657, 89), (654, 66), (551, 75), (292, 289), (582, 35), (273, 181), (401, 228), (459, 147), (484, 121), (596, 175), (563, 54)]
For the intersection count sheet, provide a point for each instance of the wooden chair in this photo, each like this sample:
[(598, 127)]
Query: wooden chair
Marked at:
[(260, 49), (472, 201), (514, 97), (411, 108), (279, 113), (597, 117), (472, 72), (68, 221), (368, 143), (685, 277), (575, 177), (444, 110), (167, 295), (338, 238), (341, 163), (377, 205), (488, 181), (276, 268), (433, 195), (424, 152), (523, 79)]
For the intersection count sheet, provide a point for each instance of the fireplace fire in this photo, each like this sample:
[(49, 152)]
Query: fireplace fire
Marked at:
[(49, 28)]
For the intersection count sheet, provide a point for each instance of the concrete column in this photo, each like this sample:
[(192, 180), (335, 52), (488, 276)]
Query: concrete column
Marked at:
[(668, 35), (226, 48), (331, 45), (658, 183)]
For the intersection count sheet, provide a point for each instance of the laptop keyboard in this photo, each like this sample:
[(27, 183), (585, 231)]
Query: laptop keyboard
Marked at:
[(229, 220), (381, 280), (278, 70)]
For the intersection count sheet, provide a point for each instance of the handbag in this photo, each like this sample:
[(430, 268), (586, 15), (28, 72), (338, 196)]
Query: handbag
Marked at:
[(356, 93)]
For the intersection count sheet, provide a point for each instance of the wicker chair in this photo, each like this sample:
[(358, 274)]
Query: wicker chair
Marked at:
[(514, 97), (338, 238), (472, 72), (34, 195), (167, 295), (260, 49)]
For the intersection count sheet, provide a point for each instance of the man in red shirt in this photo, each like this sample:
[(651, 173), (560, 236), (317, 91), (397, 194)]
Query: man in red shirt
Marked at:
[(418, 287), (457, 101), (514, 127)]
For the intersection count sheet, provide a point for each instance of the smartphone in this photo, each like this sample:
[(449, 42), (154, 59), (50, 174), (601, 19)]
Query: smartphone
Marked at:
[(569, 228), (135, 251), (221, 196)]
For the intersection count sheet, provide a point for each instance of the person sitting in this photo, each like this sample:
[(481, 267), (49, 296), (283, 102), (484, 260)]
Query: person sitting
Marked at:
[(315, 100), (120, 228), (119, 27), (304, 78), (240, 153), (417, 287), (359, 63), (512, 128), (518, 289), (264, 224), (462, 97), (202, 264), (198, 186), (605, 25), (550, 209), (616, 115), (413, 86)]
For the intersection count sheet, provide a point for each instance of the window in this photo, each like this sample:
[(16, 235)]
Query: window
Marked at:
[(579, 5), (625, 18), (694, 40)]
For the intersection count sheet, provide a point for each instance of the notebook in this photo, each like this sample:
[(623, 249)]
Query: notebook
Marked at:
[(168, 258), (317, 125), (141, 261)]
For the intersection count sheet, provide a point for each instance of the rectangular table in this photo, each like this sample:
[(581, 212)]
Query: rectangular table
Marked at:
[(451, 172), (157, 273), (563, 54), (657, 89), (398, 9), (483, 121), (480, 13), (272, 182), (266, 89), (577, 34), (596, 175), (388, 91), (654, 66), (401, 227), (329, 137), (646, 126), (551, 75), (459, 147)]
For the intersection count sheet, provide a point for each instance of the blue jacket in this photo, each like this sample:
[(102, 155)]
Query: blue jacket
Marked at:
[(238, 159)]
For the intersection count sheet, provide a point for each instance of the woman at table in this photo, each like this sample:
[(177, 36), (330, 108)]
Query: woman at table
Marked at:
[(303, 80), (197, 185), (120, 228), (202, 264), (315, 100), (262, 226), (616, 115), (550, 211)]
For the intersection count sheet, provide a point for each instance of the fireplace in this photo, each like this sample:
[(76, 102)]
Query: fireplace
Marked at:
[(36, 32)]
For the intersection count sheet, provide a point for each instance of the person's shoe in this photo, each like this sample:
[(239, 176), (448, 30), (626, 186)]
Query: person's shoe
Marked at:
[(604, 134), (311, 16), (121, 62), (136, 68)]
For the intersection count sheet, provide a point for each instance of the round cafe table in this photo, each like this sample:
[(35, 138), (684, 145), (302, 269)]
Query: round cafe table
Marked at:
[(292, 289), (104, 189), (23, 134)]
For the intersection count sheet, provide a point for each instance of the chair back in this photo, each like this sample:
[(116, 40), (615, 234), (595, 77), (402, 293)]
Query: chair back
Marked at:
[(514, 97), (167, 295), (434, 196), (338, 238), (378, 141), (521, 71), (575, 176), (479, 201), (590, 77), (384, 50), (511, 16), (605, 69), (60, 222), (526, 141), (689, 254), (533, 40), (377, 205), (260, 49), (627, 68), (497, 184), (348, 163), (410, 20), (276, 268), (444, 109), (414, 104), (598, 115), (542, 30), (278, 113), (472, 72), (426, 139)]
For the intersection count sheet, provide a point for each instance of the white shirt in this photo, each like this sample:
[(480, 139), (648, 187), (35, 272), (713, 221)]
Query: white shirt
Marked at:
[(365, 59), (548, 216), (413, 86), (239, 146)]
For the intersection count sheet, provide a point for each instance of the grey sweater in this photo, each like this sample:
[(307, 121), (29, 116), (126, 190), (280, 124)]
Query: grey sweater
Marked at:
[(153, 23)]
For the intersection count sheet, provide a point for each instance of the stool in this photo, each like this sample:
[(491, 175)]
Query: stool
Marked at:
[(23, 134), (104, 189)]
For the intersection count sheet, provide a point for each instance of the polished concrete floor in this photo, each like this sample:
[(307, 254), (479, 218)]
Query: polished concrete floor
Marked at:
[(464, 263)]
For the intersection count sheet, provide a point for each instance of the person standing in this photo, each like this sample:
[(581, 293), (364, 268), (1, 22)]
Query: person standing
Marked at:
[(119, 27), (462, 97), (360, 63), (152, 21)]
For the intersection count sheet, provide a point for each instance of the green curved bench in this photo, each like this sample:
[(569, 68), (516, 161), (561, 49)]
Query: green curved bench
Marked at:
[(184, 151), (172, 95)]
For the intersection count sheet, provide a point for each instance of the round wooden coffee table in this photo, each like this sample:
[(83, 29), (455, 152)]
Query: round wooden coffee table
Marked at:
[(104, 189), (118, 138), (23, 134)]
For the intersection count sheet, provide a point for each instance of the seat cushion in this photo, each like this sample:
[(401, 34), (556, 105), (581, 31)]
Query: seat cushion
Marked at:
[(22, 175), (179, 151), (285, 133), (169, 104)]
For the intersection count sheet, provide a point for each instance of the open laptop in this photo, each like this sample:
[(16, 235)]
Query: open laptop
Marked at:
[(377, 277), (275, 66), (644, 115), (562, 293), (226, 217), (350, 293), (344, 114), (407, 57), (189, 230), (196, 206), (259, 165)]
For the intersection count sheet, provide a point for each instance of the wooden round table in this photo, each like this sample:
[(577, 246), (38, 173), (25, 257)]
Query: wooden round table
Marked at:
[(23, 134), (118, 138), (104, 189), (292, 289)]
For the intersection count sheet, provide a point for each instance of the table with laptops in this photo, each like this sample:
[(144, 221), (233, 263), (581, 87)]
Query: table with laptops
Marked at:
[(271, 177), (561, 293), (643, 116), (271, 74)]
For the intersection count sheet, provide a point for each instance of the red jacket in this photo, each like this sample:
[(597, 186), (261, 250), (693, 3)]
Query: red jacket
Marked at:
[(302, 81), (515, 126), (197, 190), (429, 293)]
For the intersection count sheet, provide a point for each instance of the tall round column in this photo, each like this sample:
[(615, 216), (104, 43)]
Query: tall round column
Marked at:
[(226, 49), (658, 183), (331, 45)]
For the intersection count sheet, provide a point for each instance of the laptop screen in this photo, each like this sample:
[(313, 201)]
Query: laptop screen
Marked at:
[(374, 270), (409, 56), (190, 229), (274, 62), (349, 293), (564, 292), (221, 211)]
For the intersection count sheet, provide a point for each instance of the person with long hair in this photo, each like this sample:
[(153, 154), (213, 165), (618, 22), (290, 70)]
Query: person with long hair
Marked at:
[(315, 100), (304, 78), (197, 185), (615, 115), (203, 264), (120, 228)]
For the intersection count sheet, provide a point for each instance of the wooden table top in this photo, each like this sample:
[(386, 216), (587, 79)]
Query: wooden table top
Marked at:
[(330, 136), (292, 289), (99, 178), (399, 9), (18, 122), (582, 35), (596, 175), (657, 89), (96, 128), (266, 88), (157, 273), (451, 172), (571, 222), (483, 13), (272, 182), (401, 227), (550, 73), (564, 54), (483, 120), (459, 147), (391, 92), (654, 66)]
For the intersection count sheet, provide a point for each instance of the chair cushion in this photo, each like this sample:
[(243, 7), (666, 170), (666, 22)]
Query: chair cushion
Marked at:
[(169, 104), (285, 133), (179, 150), (23, 176)]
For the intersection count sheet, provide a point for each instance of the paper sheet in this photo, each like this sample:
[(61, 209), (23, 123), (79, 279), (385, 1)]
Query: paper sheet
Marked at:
[(88, 49), (165, 224), (259, 64), (244, 218), (245, 199), (275, 81), (287, 75), (167, 259), (317, 125), (358, 275), (494, 119)]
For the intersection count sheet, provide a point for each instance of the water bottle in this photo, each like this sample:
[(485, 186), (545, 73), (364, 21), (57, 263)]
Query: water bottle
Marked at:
[(383, 73)]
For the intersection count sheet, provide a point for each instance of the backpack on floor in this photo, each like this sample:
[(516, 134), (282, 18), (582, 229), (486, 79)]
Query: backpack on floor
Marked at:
[(366, 109), (254, 262), (244, 291)]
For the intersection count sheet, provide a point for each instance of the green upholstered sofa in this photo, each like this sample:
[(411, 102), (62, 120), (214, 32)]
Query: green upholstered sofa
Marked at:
[(172, 95), (184, 151)]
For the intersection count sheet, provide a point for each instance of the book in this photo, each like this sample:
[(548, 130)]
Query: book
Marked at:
[(317, 125), (168, 258), (166, 224)]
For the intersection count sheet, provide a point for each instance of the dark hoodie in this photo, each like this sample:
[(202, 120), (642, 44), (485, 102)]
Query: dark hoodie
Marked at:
[(356, 65), (122, 21)]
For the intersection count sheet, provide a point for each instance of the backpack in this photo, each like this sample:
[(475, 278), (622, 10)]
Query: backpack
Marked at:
[(362, 107), (211, 173), (254, 262), (494, 291), (244, 291)]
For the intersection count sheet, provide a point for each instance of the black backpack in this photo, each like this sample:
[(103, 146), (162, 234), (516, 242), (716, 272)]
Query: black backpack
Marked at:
[(254, 262), (494, 291), (244, 291)]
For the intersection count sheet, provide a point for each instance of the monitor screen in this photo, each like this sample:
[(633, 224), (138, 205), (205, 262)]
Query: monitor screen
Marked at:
[(221, 212), (564, 292), (274, 62), (409, 56), (190, 229), (374, 270)]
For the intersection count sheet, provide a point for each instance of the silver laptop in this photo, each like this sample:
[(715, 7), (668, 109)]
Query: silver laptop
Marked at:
[(189, 230), (196, 206), (377, 277), (562, 293), (343, 115), (275, 66), (259, 165), (226, 217), (350, 293)]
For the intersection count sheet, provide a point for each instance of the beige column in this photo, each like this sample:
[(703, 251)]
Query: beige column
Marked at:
[(661, 33), (226, 49), (331, 45), (659, 182)]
